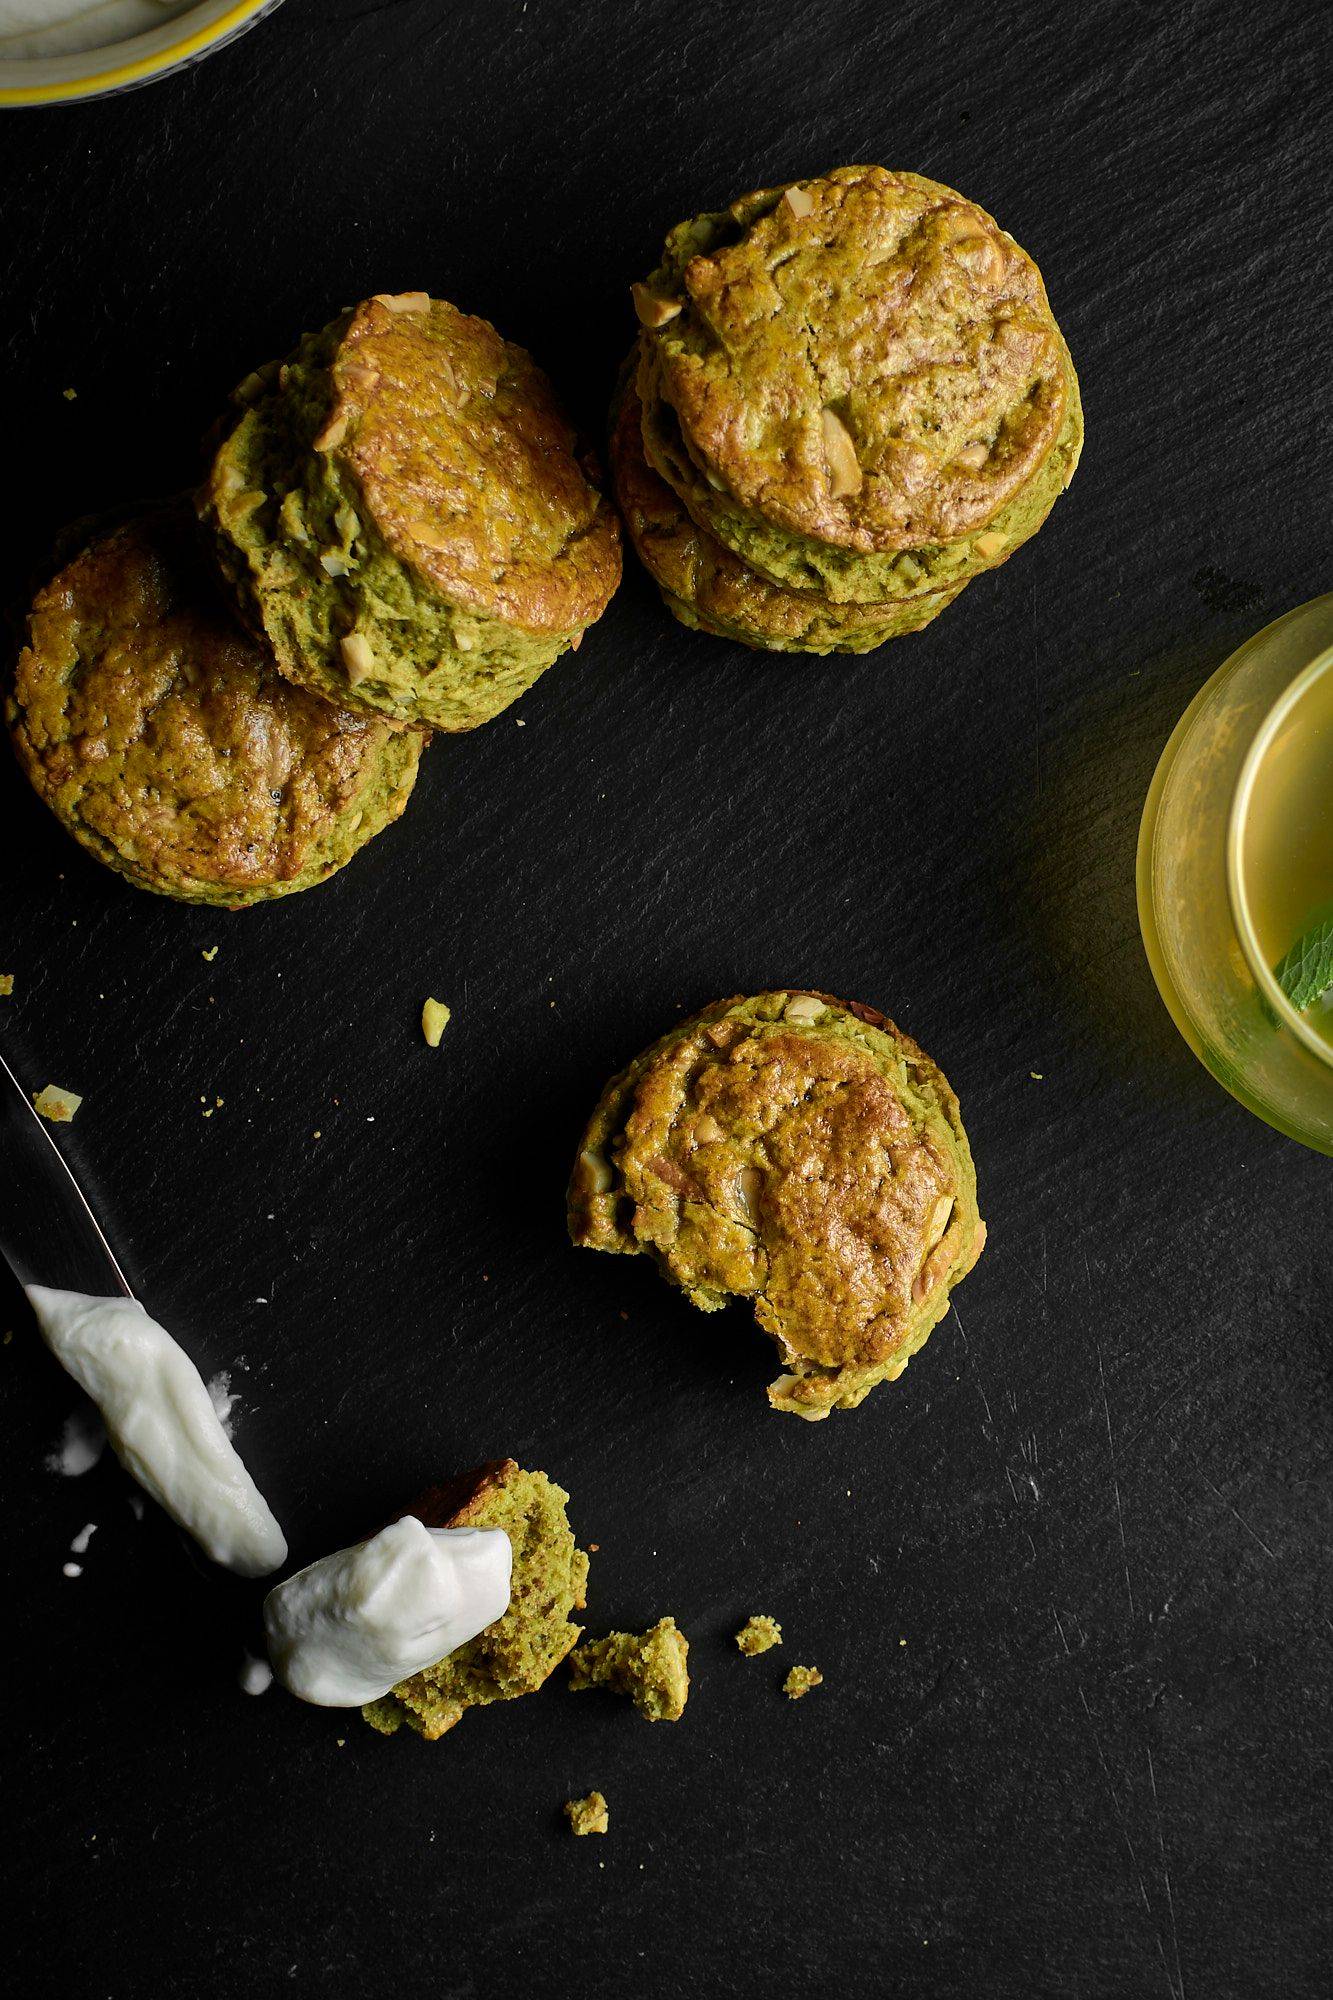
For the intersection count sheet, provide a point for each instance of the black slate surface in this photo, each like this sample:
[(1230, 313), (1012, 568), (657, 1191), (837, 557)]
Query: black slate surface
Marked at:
[(1068, 1581)]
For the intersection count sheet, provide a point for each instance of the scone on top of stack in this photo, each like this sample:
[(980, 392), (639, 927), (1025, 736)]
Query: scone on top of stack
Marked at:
[(402, 511), (849, 398)]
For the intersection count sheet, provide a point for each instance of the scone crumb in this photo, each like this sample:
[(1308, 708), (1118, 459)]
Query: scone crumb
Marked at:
[(588, 1815), (56, 1104), (6, 985), (759, 1635), (434, 1021), (800, 1681)]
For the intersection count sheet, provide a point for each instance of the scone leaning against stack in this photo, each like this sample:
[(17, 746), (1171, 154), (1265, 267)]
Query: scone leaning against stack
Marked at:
[(854, 385), (165, 740), (800, 1152), (403, 513)]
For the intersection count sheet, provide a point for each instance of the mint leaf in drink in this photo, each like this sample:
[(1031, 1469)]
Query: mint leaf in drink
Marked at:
[(1306, 973)]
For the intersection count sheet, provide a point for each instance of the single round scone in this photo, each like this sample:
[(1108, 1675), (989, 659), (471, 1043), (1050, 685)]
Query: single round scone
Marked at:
[(706, 586), (401, 510), (801, 1152), (548, 1581), (856, 383), (166, 741)]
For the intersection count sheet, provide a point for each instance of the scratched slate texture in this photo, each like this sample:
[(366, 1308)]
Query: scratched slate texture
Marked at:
[(1068, 1581)]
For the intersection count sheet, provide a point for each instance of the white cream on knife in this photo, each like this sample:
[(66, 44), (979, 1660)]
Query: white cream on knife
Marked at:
[(162, 1424), (351, 1626)]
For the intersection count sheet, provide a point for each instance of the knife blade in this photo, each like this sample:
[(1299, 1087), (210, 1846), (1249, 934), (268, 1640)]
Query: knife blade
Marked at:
[(48, 1232)]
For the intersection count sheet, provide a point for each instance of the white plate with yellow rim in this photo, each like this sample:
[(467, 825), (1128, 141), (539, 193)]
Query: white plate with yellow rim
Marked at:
[(76, 51)]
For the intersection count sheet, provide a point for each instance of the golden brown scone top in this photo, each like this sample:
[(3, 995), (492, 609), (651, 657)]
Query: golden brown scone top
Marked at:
[(468, 467), (799, 1152), (865, 357), (164, 738)]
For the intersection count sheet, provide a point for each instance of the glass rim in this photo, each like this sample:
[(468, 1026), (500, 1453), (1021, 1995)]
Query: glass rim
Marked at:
[(101, 72), (1241, 801)]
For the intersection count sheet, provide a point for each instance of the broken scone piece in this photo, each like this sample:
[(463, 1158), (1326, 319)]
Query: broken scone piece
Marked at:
[(759, 1635), (518, 1652), (800, 1681), (649, 1667), (800, 1152), (588, 1815)]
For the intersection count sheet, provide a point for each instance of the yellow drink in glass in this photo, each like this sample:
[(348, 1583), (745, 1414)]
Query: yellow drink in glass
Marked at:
[(1236, 859), (1282, 839)]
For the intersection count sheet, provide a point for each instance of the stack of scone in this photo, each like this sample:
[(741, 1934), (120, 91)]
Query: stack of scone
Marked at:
[(399, 537), (849, 397)]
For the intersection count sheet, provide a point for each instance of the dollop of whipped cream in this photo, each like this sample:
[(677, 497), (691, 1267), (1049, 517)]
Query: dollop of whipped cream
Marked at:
[(351, 1626), (162, 1424)]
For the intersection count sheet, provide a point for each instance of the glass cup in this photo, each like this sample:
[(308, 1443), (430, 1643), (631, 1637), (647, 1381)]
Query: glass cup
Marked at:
[(1196, 879), (130, 58)]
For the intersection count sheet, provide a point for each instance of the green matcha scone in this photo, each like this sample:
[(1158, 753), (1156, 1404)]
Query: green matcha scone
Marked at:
[(649, 1667), (705, 585), (165, 740), (523, 1649), (800, 1152), (856, 383), (400, 509)]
